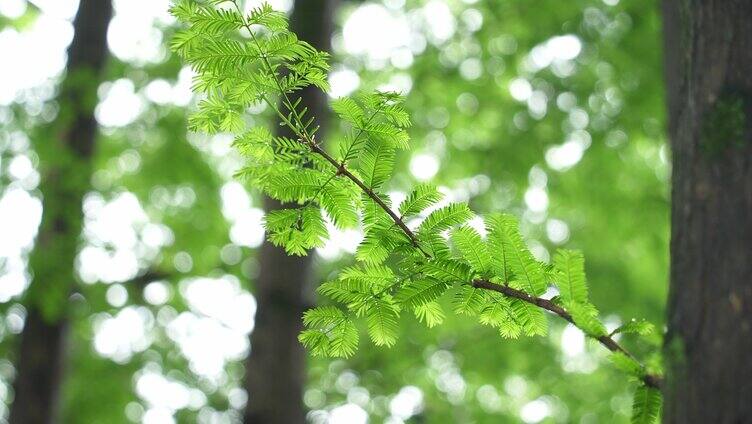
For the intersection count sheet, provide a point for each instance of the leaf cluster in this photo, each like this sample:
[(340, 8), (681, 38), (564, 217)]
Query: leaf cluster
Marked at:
[(244, 59)]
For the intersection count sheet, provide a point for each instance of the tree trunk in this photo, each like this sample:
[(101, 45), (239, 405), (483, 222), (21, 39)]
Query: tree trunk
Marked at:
[(276, 368), (709, 340), (65, 166)]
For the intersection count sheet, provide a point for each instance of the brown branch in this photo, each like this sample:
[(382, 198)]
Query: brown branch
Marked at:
[(607, 341), (342, 170)]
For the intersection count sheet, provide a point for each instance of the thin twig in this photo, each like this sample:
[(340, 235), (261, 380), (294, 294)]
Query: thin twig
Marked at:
[(375, 197), (607, 341)]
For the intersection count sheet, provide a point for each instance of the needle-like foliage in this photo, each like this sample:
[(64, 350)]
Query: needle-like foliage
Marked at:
[(243, 59)]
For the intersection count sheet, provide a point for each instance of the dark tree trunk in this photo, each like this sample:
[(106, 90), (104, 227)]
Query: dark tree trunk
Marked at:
[(65, 166), (708, 48), (276, 368)]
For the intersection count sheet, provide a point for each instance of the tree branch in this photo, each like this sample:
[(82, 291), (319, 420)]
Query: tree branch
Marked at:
[(607, 341), (307, 139)]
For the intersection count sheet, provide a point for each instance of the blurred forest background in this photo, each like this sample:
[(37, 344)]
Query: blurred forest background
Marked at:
[(552, 110)]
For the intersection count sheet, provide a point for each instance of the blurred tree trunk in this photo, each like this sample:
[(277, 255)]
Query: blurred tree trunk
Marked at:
[(276, 368), (65, 164), (709, 80)]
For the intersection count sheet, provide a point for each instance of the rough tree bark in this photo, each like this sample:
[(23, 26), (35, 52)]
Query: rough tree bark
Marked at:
[(65, 150), (709, 80), (276, 368)]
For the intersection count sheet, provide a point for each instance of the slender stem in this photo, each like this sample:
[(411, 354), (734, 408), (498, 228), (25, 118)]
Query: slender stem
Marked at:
[(375, 197), (360, 133), (321, 187), (385, 289), (607, 341)]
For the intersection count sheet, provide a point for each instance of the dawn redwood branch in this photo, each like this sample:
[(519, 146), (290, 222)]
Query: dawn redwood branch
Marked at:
[(300, 130)]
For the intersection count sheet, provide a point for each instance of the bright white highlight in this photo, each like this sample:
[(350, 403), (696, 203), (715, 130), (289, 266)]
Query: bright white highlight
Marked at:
[(120, 105), (573, 346), (165, 396), (343, 82), (565, 47), (568, 154), (157, 293), (58, 9), (133, 35), (535, 411), (114, 248), (536, 199), (117, 295), (572, 341), (349, 413), (408, 402), (440, 21), (555, 51), (161, 92), (247, 222), (557, 231), (364, 33), (119, 337), (520, 89), (339, 242), (424, 166), (20, 215), (479, 225), (216, 330), (221, 299), (564, 156), (13, 9), (47, 38)]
